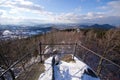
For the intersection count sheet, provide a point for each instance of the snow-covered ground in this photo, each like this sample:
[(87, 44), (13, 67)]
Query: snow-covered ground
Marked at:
[(13, 34), (67, 71)]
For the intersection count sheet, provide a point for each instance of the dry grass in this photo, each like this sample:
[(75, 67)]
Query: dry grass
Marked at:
[(33, 72), (68, 58)]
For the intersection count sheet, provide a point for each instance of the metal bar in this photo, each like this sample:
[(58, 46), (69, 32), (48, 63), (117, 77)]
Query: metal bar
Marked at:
[(74, 50), (14, 64), (40, 48), (59, 44), (84, 48), (53, 71), (99, 55), (40, 52)]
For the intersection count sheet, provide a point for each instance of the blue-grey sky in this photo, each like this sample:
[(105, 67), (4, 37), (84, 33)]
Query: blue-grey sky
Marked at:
[(59, 11)]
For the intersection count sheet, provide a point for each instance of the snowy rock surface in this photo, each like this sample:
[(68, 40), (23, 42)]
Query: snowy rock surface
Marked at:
[(66, 71)]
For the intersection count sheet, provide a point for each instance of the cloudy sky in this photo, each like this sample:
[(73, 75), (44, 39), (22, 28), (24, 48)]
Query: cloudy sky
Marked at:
[(59, 11)]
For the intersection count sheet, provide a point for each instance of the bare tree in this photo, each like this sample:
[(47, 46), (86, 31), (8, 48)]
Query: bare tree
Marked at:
[(108, 43)]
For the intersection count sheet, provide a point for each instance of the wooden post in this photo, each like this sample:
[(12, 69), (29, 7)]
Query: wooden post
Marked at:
[(40, 51)]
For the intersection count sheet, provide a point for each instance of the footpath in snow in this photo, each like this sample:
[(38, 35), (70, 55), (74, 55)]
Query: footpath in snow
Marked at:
[(68, 71)]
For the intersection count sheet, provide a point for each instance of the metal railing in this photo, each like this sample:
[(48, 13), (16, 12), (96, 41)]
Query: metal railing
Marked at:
[(82, 46), (41, 59), (14, 64), (98, 71)]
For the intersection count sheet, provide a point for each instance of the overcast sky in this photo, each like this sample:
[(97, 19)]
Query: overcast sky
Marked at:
[(59, 11)]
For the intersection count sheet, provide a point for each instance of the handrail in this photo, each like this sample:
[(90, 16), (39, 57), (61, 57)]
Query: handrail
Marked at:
[(14, 64), (84, 48), (99, 55), (59, 44)]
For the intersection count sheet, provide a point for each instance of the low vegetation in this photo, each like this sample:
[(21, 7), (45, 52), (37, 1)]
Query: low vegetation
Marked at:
[(32, 73), (68, 58)]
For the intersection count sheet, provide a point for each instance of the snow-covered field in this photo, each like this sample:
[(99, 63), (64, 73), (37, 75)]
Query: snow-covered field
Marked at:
[(67, 71)]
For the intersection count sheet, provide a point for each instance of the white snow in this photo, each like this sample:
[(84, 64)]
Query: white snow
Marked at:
[(66, 71), (48, 50), (7, 32)]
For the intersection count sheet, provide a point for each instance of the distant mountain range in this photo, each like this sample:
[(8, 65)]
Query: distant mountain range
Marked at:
[(16, 31), (84, 26), (47, 27), (97, 26)]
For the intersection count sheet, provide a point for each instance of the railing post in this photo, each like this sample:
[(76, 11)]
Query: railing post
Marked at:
[(40, 51), (53, 63), (99, 68), (12, 74), (74, 50)]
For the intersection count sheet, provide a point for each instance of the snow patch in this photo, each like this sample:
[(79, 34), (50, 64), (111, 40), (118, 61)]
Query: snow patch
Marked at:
[(7, 32), (66, 71)]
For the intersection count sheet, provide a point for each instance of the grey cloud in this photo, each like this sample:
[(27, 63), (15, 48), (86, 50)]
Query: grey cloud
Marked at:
[(99, 18), (112, 17), (113, 20), (22, 4), (77, 17), (26, 6), (31, 7), (112, 8)]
